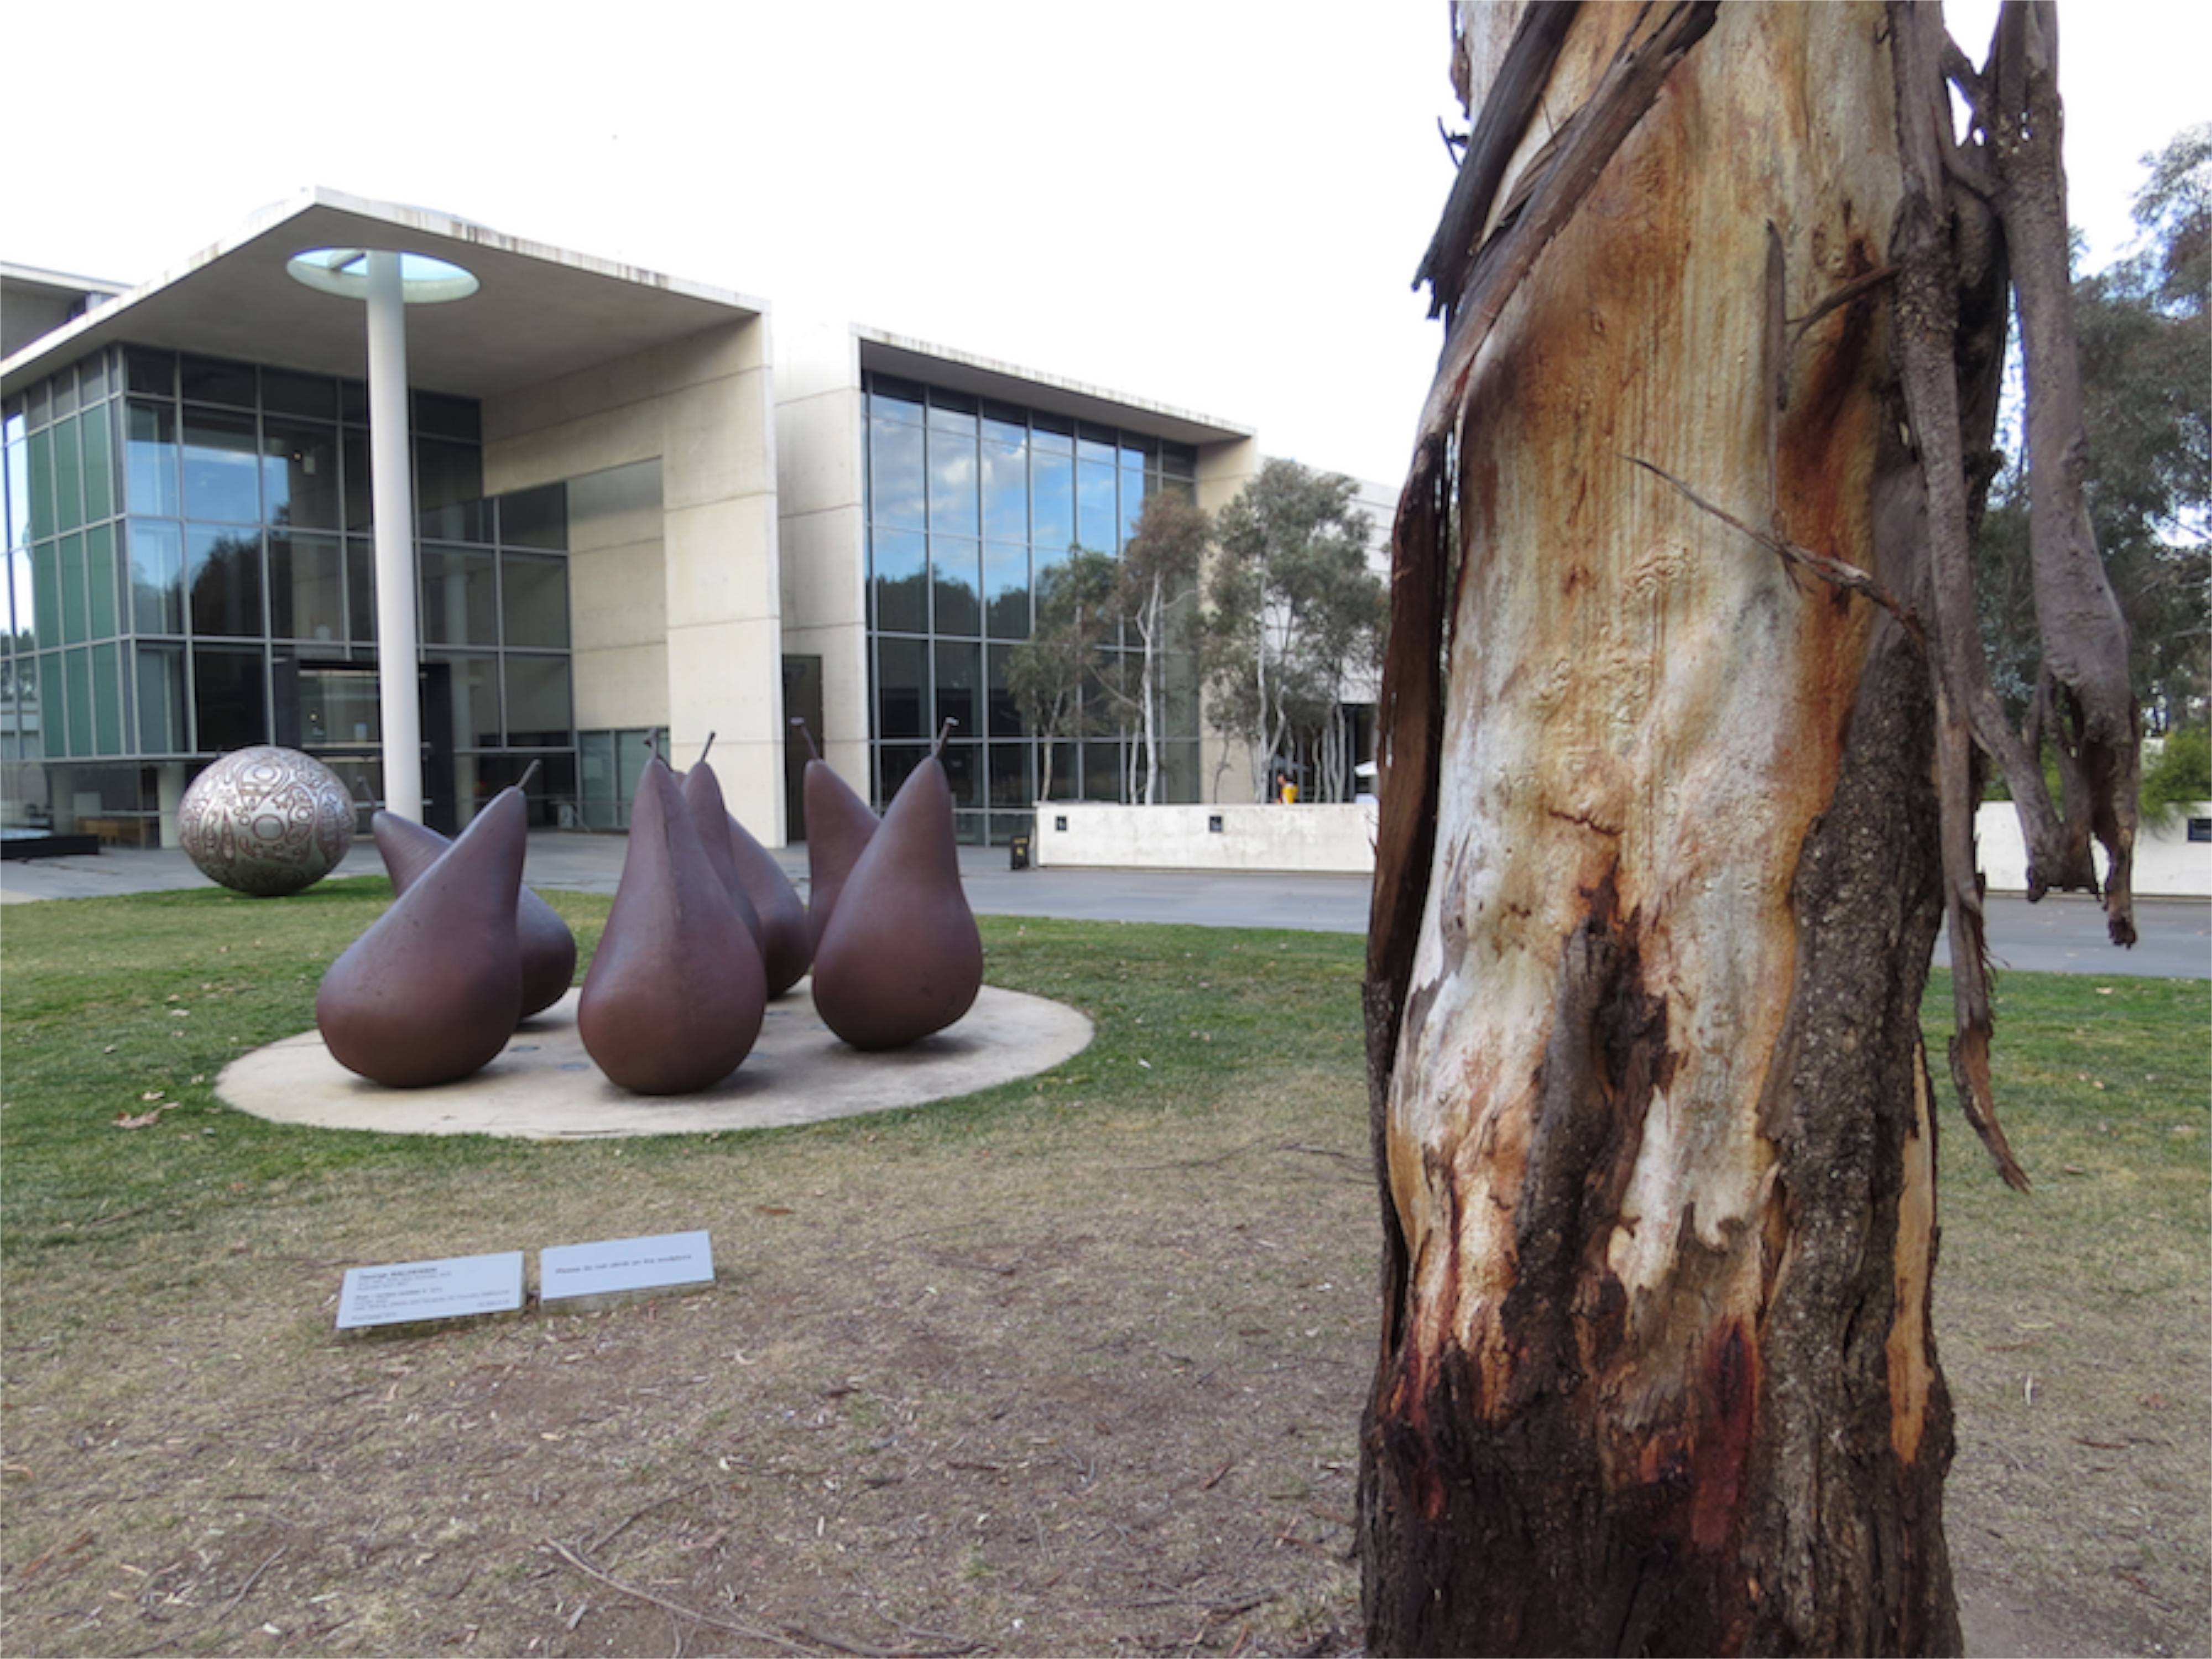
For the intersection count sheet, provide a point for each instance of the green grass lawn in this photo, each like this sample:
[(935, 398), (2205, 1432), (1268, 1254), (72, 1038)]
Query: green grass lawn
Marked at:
[(1149, 1270)]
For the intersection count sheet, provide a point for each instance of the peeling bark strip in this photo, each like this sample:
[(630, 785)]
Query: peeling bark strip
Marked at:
[(1669, 833)]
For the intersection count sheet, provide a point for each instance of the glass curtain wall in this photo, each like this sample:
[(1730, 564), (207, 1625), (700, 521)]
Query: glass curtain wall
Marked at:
[(190, 569), (969, 504)]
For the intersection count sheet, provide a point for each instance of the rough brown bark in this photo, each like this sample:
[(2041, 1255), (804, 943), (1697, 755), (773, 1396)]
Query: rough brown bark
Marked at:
[(1660, 866)]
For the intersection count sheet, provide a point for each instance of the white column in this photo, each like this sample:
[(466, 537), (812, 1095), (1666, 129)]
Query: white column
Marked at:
[(391, 469)]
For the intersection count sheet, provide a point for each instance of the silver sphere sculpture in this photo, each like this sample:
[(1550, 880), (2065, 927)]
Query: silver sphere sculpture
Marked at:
[(267, 821)]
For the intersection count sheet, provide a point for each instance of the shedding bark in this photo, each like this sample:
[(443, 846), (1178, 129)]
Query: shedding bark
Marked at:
[(1682, 724)]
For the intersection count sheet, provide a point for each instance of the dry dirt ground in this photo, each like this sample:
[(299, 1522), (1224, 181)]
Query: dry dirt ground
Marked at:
[(1069, 1367), (931, 1405)]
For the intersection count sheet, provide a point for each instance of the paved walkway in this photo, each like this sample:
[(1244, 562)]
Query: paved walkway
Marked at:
[(2064, 934)]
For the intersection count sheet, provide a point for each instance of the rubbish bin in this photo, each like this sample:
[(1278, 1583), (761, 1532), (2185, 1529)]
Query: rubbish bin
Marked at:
[(1018, 853)]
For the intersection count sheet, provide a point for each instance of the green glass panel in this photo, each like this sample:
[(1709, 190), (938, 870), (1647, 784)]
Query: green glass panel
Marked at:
[(107, 699), (51, 724), (72, 590), (43, 521), (76, 682), (100, 580), (151, 453), (69, 475), (161, 700), (46, 594), (157, 576), (98, 431)]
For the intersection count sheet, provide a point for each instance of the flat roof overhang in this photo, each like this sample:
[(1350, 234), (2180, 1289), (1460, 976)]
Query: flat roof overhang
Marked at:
[(959, 371), (540, 313)]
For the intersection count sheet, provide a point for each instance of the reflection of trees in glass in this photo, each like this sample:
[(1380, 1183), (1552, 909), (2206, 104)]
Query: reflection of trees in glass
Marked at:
[(226, 585), (1046, 674), (902, 602), (1293, 614)]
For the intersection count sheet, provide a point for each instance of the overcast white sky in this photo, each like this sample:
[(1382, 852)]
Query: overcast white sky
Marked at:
[(1216, 206)]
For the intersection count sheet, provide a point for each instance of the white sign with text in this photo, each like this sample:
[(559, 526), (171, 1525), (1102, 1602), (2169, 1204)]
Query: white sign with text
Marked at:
[(666, 1259), (402, 1292)]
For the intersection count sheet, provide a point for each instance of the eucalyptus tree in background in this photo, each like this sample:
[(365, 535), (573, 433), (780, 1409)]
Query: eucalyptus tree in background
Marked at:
[(1159, 571), (1292, 616), (1049, 673), (2146, 341), (1684, 713)]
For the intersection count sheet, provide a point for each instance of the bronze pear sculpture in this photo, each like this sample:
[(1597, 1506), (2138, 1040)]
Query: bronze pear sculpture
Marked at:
[(548, 949), (902, 957), (702, 799), (839, 826), (674, 995), (786, 944), (432, 991)]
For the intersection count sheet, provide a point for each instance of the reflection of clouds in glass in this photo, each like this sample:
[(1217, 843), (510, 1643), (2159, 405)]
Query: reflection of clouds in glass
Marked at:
[(1133, 500), (19, 587), (1052, 503), (895, 474), (1005, 492), (952, 483), (1095, 516)]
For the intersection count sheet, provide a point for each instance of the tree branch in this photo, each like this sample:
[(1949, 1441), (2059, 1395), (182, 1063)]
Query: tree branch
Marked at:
[(1835, 571)]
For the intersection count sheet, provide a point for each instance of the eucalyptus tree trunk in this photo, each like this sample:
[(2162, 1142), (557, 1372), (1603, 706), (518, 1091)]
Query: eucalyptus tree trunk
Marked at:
[(1673, 676)]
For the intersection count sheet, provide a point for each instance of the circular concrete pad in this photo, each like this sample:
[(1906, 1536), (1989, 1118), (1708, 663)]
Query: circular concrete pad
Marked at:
[(545, 1086)]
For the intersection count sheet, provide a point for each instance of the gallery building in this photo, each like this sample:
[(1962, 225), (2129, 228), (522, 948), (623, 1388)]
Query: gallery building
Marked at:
[(640, 505)]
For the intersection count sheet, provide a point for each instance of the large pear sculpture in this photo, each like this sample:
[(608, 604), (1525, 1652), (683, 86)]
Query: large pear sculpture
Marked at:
[(432, 991), (839, 826), (674, 995), (702, 799), (548, 949), (902, 957), (762, 893), (787, 943)]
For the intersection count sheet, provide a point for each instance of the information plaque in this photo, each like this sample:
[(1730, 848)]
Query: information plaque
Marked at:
[(405, 1292), (566, 1273)]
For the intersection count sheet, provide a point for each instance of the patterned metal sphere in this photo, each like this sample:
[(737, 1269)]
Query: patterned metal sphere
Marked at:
[(267, 821)]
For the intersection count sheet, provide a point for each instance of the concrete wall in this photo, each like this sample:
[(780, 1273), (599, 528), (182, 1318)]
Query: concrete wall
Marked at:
[(820, 497), (1250, 837), (1342, 838), (2168, 865), (702, 408)]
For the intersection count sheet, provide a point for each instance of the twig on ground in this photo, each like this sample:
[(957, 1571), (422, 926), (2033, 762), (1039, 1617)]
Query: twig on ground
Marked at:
[(247, 1588), (796, 1638), (1198, 1162), (623, 1525)]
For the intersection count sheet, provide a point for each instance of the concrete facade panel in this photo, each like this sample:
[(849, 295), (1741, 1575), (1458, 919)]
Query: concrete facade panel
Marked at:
[(823, 566), (726, 678), (721, 562), (616, 597), (715, 442), (818, 453), (621, 686)]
